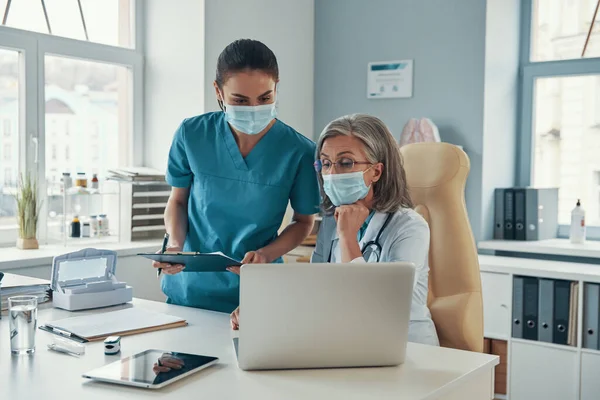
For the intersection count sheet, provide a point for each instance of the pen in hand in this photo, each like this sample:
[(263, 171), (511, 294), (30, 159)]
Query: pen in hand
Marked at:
[(164, 248)]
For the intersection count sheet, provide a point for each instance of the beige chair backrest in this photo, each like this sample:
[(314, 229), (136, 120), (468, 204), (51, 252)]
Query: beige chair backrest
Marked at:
[(436, 175)]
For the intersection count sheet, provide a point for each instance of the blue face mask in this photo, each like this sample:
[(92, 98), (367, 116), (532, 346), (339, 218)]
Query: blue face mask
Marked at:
[(343, 189), (250, 120)]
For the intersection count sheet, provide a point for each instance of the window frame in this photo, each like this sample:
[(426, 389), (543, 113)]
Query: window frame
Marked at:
[(529, 71), (34, 47)]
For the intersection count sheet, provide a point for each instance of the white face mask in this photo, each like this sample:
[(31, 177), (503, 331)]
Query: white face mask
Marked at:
[(343, 189), (250, 120)]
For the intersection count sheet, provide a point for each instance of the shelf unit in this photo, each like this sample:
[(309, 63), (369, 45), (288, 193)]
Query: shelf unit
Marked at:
[(63, 205), (539, 369)]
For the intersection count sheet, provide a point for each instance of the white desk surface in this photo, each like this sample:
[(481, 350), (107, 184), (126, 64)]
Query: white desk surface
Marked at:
[(427, 373)]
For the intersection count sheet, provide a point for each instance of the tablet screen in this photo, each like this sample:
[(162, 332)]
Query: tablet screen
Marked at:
[(152, 367)]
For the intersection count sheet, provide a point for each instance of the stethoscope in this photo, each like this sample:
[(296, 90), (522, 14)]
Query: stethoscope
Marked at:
[(372, 248)]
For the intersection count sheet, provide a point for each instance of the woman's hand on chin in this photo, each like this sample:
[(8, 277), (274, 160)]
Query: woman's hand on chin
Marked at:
[(350, 218)]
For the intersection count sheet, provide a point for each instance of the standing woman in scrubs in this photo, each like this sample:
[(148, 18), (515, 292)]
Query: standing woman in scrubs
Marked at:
[(233, 173)]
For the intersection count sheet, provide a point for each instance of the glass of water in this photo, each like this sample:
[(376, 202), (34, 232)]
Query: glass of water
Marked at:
[(22, 314)]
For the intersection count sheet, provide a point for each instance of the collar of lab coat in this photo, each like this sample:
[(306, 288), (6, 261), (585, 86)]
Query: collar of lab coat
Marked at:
[(372, 229)]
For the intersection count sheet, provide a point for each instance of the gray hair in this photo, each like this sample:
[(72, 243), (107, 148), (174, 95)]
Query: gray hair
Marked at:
[(390, 193)]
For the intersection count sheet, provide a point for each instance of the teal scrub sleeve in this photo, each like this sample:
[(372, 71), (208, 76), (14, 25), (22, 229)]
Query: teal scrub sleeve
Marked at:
[(305, 196), (179, 173)]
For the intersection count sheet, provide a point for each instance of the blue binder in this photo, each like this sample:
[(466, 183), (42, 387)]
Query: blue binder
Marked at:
[(546, 311), (517, 307), (562, 304), (530, 308), (591, 309)]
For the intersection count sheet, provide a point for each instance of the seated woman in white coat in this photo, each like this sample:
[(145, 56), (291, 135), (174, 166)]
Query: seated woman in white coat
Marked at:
[(369, 215)]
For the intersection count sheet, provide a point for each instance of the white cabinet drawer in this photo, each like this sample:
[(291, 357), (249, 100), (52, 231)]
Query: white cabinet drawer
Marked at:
[(590, 369), (538, 371), (496, 290)]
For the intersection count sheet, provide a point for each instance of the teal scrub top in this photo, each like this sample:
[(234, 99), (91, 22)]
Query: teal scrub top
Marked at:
[(236, 204)]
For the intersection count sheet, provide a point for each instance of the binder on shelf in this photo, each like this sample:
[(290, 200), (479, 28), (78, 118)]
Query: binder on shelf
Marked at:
[(562, 309), (573, 313), (509, 227), (517, 307), (519, 214), (499, 214), (591, 311), (530, 308), (546, 311), (525, 213)]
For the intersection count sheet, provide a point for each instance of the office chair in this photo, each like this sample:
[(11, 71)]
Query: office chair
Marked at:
[(436, 174)]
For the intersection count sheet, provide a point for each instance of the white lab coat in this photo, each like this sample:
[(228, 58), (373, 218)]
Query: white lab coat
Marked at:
[(405, 239)]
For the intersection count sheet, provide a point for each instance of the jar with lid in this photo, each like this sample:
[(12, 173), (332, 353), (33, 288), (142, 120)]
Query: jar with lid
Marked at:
[(81, 180)]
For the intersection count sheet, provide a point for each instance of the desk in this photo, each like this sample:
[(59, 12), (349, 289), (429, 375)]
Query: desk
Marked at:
[(428, 373)]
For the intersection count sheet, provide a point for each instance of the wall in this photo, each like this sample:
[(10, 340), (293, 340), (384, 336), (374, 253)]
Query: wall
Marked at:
[(287, 28), (465, 56), (174, 72), (500, 110)]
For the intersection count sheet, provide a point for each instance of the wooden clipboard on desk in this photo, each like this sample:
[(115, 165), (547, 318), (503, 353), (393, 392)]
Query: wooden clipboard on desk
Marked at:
[(126, 322)]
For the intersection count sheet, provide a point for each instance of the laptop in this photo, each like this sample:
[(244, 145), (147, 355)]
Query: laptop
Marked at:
[(295, 316)]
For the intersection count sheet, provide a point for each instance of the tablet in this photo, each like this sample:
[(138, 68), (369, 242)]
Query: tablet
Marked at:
[(195, 262), (152, 369)]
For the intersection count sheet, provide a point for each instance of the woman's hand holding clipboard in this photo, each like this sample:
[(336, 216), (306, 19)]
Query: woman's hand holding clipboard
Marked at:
[(169, 269)]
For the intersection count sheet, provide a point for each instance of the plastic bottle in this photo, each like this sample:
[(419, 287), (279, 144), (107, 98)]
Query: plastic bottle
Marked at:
[(95, 183), (67, 181), (577, 232), (76, 227), (94, 226)]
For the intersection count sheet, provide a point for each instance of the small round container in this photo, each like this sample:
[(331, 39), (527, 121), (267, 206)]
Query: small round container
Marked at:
[(112, 345)]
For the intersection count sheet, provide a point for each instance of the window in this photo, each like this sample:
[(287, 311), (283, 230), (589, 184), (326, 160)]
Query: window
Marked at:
[(105, 21), (92, 74), (560, 105), (82, 92), (8, 177), (559, 29), (9, 112), (6, 127), (7, 152)]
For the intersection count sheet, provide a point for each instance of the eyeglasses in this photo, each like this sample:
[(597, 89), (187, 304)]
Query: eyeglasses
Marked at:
[(344, 165)]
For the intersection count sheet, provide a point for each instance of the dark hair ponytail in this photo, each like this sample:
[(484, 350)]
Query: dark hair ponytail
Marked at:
[(245, 54)]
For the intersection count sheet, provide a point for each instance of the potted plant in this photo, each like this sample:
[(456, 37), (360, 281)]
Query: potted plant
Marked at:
[(28, 208)]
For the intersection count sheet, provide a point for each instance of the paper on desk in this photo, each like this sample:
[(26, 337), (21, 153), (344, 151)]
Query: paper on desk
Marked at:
[(105, 324)]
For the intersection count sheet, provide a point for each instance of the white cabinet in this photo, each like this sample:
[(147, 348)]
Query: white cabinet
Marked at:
[(590, 371), (543, 372), (496, 291)]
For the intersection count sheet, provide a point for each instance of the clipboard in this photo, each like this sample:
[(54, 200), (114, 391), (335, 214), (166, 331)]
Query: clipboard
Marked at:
[(195, 262), (96, 327)]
